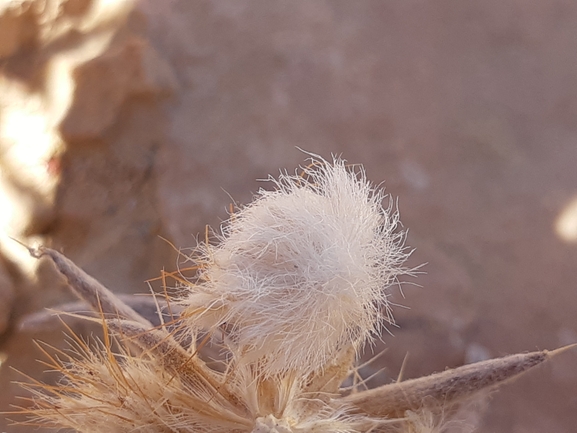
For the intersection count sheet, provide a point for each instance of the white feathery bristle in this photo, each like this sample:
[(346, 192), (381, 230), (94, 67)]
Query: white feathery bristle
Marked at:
[(300, 273)]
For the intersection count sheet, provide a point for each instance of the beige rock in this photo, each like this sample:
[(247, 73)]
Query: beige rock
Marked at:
[(6, 299), (16, 27), (80, 128), (103, 84)]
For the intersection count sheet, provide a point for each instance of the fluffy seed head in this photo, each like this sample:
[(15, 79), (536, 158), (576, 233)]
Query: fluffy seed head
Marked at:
[(294, 286), (300, 273)]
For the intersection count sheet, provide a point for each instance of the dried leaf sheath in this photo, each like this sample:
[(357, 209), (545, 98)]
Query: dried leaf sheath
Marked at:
[(89, 289), (445, 389)]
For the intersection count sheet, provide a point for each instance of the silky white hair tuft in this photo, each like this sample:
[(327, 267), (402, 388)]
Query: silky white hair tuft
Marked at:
[(300, 273)]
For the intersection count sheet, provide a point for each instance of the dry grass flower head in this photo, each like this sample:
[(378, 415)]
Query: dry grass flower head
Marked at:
[(301, 272), (294, 287)]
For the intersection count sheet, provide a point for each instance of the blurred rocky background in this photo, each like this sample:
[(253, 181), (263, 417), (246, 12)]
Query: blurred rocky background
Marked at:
[(126, 122)]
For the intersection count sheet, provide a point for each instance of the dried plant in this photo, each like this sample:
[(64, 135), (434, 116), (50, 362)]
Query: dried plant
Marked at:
[(294, 288)]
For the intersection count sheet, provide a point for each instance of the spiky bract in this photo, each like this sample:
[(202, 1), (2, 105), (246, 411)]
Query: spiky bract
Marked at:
[(117, 392)]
